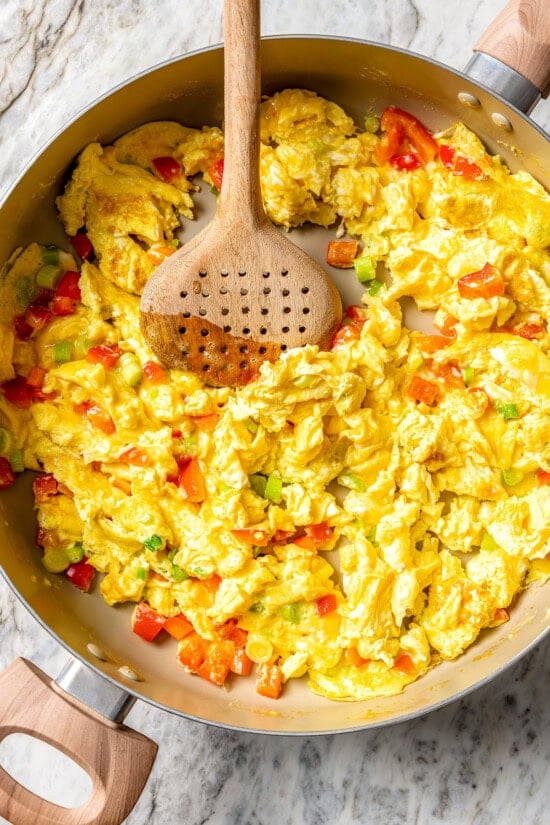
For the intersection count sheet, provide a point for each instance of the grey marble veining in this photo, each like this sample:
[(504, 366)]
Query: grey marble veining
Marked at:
[(479, 761)]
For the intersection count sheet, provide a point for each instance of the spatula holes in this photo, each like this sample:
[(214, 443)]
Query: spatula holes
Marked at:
[(242, 273), (182, 330), (265, 274), (305, 290), (204, 333), (243, 365), (202, 273), (224, 350), (286, 310), (205, 367), (284, 347), (264, 311), (244, 349), (262, 350), (186, 314), (285, 293), (244, 291), (223, 290), (202, 312), (227, 328), (263, 330), (225, 311), (306, 310), (224, 273), (202, 349), (246, 331), (205, 294), (266, 290), (285, 330), (301, 329), (245, 310), (284, 272), (183, 294)]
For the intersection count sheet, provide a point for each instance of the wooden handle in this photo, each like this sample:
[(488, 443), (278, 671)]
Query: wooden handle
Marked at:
[(117, 759), (520, 38), (241, 175)]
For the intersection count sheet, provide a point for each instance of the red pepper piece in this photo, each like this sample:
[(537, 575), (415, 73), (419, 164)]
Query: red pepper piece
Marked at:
[(82, 245), (190, 479), (341, 254), (178, 626), (154, 373), (215, 173), (168, 168), (269, 680), (7, 476), (146, 622), (315, 535), (18, 392), (421, 390), (192, 652), (251, 535), (44, 486), (81, 574), (105, 354), (543, 477), (62, 305), (404, 134), (405, 162), (484, 283), (460, 165), (216, 665), (68, 286), (96, 416), (326, 604), (405, 663), (135, 456)]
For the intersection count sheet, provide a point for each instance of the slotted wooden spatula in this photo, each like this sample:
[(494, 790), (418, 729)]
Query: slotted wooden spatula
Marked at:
[(239, 292)]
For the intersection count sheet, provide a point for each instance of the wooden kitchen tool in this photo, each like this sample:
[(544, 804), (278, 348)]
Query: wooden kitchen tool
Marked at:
[(239, 292)]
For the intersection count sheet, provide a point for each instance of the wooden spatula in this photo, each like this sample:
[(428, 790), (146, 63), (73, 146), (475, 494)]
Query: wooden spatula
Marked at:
[(239, 292)]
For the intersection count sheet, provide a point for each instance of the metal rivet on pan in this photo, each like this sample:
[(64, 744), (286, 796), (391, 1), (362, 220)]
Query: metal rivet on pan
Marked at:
[(502, 121), (129, 673), (468, 99), (97, 652)]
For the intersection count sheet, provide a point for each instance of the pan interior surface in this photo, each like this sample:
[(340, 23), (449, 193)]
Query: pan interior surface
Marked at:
[(362, 78)]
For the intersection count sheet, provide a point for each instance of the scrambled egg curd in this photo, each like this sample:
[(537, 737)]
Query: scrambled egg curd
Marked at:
[(354, 516)]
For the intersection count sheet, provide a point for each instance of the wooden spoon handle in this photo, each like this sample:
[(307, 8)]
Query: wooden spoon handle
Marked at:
[(117, 759), (241, 174), (520, 37)]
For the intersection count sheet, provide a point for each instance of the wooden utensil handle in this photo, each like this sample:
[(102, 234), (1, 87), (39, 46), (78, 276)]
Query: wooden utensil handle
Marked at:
[(520, 37), (242, 85), (117, 759)]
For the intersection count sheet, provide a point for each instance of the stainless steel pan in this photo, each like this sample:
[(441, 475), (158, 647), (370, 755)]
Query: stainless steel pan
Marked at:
[(83, 709)]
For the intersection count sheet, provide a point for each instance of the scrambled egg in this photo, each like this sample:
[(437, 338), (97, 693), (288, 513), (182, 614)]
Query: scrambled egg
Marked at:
[(365, 512)]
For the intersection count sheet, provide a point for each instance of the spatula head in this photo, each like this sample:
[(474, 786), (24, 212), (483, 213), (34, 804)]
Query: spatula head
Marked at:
[(226, 302)]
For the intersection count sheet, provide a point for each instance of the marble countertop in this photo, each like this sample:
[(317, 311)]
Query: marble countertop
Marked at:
[(480, 760)]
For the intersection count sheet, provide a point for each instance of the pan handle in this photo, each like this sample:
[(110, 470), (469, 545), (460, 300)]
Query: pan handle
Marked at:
[(117, 759), (513, 56)]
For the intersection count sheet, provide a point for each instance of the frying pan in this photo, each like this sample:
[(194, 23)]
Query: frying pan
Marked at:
[(82, 711)]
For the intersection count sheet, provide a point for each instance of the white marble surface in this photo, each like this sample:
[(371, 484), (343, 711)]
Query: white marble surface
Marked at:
[(481, 760)]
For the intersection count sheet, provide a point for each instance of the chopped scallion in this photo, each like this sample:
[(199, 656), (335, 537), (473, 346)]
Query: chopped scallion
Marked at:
[(178, 573), (507, 411), (365, 268), (251, 426), (374, 287), (130, 369), (258, 483), (141, 573), (154, 542), (291, 612), (353, 481), (62, 351), (16, 461), (487, 542), (75, 553), (469, 373), (55, 560), (511, 477), (48, 276), (372, 124), (6, 441), (50, 255), (273, 489)]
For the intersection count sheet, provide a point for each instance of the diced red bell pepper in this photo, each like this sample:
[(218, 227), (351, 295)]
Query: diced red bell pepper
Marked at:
[(168, 168), (135, 456), (419, 389), (242, 663), (282, 536), (158, 252), (353, 658), (251, 535), (18, 392), (404, 133), (192, 651), (269, 680), (216, 665), (315, 535), (105, 354), (7, 476), (82, 246), (154, 373), (484, 283), (178, 626), (326, 604), (460, 165), (529, 331), (433, 343), (450, 372), (501, 615), (206, 423), (36, 377), (146, 622), (405, 663), (62, 305), (68, 286), (405, 162), (190, 479), (44, 486), (351, 327), (96, 416), (341, 254), (216, 174), (543, 477), (81, 574)]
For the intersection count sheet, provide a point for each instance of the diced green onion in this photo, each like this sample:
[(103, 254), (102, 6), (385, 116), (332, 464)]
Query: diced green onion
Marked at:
[(200, 572), (374, 287), (273, 489), (354, 482), (81, 346), (154, 542), (257, 607), (488, 542), (130, 369), (24, 291), (258, 483), (257, 551), (50, 255), (141, 573), (62, 351), (469, 376), (251, 425), (48, 276), (6, 441), (190, 444), (291, 612), (317, 147), (16, 461), (365, 268), (55, 560), (75, 553), (371, 535), (372, 124), (178, 573), (507, 411), (511, 477)]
